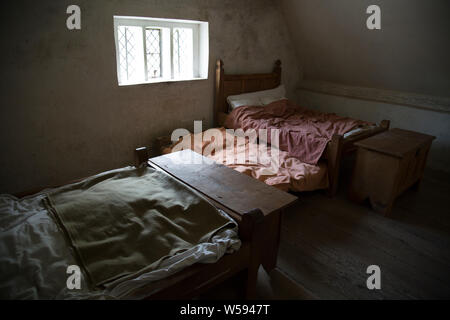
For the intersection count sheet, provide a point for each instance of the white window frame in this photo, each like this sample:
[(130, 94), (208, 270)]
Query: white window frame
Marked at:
[(200, 31)]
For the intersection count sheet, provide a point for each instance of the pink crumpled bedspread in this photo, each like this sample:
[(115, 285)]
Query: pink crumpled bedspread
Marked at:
[(288, 174), (304, 133)]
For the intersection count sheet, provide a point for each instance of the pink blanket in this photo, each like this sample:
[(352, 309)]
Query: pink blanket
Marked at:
[(290, 174), (304, 133)]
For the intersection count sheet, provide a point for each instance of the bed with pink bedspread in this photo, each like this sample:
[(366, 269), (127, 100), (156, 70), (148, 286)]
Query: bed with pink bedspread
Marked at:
[(304, 134), (281, 171)]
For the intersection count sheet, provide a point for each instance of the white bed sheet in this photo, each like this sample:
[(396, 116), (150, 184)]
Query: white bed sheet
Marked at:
[(358, 130)]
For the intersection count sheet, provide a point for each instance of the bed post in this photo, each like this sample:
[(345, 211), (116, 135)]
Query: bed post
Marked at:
[(334, 152), (218, 102), (142, 156), (252, 222), (277, 71)]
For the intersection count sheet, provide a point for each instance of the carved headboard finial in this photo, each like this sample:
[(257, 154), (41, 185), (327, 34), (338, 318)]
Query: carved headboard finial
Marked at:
[(219, 64)]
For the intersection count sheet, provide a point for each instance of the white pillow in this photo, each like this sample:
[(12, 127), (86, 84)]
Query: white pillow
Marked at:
[(245, 102), (268, 100), (258, 98)]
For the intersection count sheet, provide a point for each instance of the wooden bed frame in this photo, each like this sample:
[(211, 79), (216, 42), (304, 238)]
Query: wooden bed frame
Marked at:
[(259, 229), (198, 278), (227, 85)]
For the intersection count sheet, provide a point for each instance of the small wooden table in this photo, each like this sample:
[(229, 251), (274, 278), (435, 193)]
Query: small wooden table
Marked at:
[(386, 165), (233, 191)]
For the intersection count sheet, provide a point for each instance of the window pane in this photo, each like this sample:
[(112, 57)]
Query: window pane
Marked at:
[(157, 50), (183, 53), (153, 54), (130, 53)]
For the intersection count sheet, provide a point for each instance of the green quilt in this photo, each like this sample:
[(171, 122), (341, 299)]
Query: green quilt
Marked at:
[(125, 222)]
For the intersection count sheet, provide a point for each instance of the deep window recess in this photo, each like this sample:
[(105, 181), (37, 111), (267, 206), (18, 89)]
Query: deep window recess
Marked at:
[(157, 50)]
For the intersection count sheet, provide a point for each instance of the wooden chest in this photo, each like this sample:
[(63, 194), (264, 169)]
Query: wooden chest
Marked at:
[(386, 165)]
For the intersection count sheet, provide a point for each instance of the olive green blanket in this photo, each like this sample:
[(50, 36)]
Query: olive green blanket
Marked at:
[(125, 222)]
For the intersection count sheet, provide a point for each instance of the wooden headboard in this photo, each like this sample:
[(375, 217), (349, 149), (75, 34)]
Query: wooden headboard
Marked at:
[(227, 85)]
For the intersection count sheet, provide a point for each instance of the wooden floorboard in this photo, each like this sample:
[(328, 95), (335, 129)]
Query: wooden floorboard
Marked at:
[(347, 260), (379, 233), (328, 276), (327, 244)]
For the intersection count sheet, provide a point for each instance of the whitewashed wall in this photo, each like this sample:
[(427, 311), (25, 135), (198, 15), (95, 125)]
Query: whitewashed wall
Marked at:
[(404, 117)]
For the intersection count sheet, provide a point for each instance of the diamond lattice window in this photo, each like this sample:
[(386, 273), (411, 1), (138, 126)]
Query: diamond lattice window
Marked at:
[(127, 52), (157, 50), (182, 52), (153, 54)]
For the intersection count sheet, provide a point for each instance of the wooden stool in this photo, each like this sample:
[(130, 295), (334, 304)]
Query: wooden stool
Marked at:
[(386, 165)]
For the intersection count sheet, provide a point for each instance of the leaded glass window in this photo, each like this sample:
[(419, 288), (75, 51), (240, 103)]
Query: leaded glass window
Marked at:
[(127, 52), (157, 50), (182, 52), (153, 54)]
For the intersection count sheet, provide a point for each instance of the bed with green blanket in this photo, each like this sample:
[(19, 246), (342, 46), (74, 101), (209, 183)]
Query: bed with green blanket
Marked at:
[(124, 228)]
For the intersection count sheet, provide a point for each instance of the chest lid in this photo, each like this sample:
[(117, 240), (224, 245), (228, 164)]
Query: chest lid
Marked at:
[(396, 142)]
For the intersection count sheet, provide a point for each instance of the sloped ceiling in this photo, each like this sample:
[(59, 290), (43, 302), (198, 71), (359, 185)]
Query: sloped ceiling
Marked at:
[(410, 53)]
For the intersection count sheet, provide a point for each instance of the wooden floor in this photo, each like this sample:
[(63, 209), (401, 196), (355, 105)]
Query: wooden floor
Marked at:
[(327, 244)]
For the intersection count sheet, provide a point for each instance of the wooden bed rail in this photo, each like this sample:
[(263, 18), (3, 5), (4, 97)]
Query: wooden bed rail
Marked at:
[(334, 154), (249, 223), (338, 146)]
